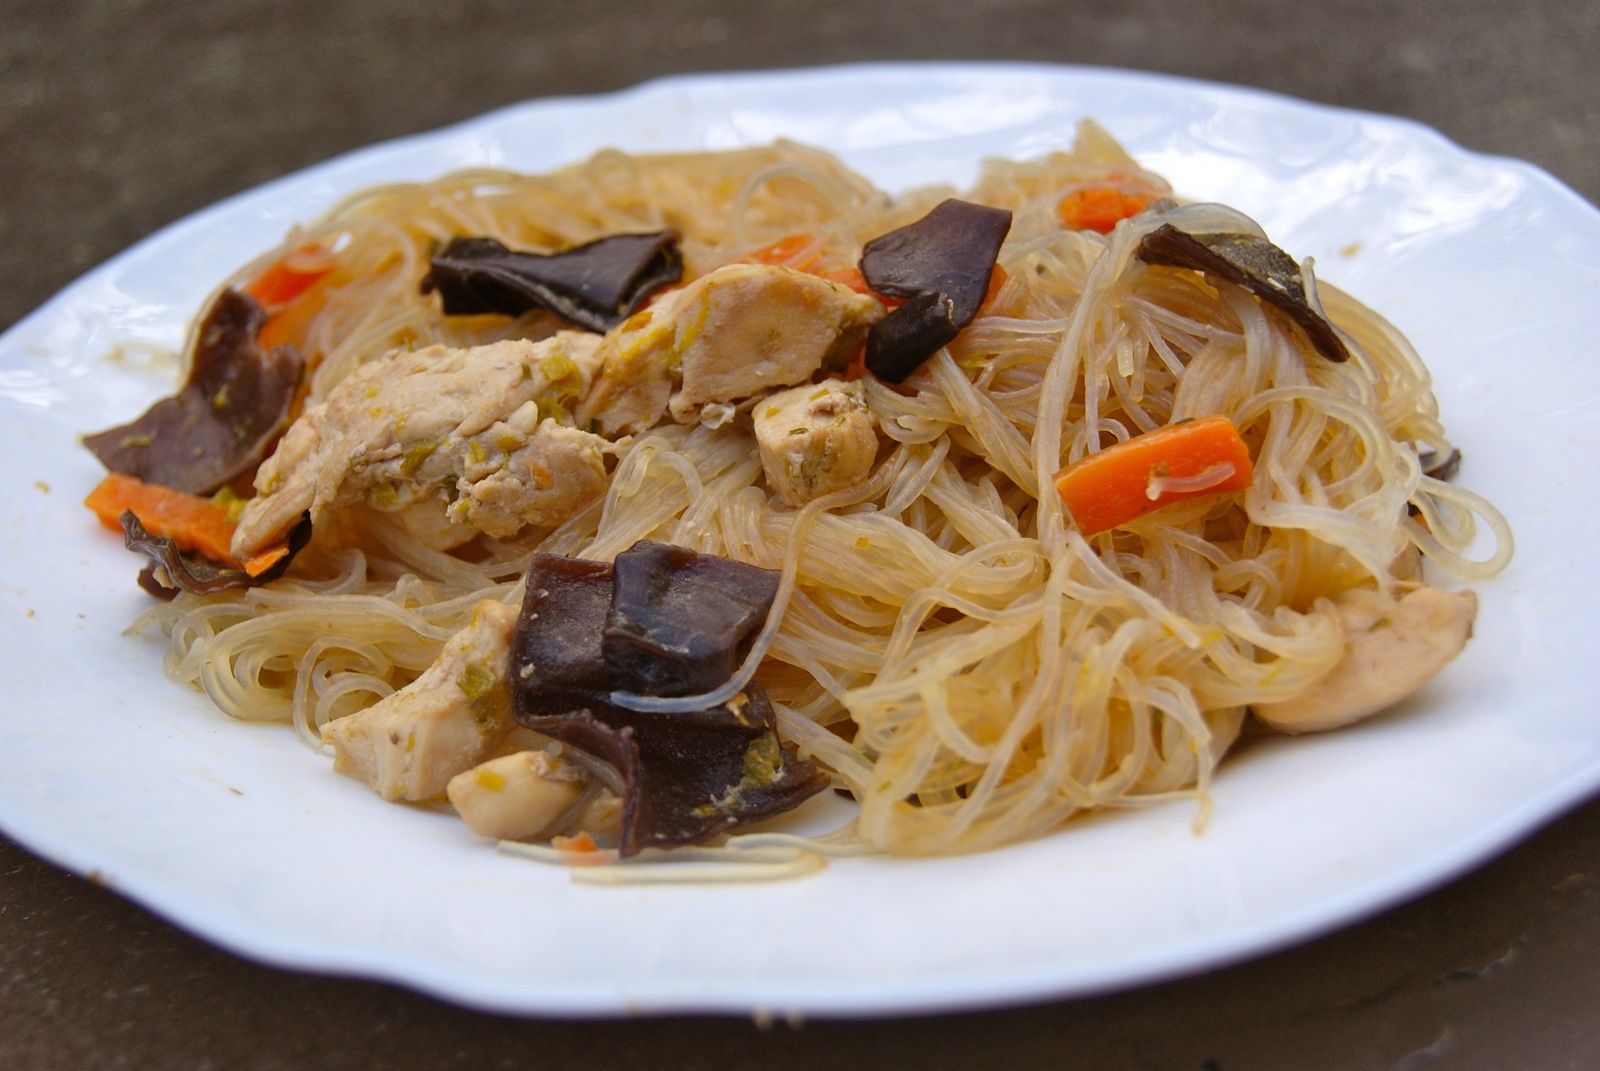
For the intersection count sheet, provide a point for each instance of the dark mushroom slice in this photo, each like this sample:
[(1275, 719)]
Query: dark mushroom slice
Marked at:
[(558, 653), (172, 569), (595, 285), (898, 344), (555, 650), (686, 776), (235, 403), (949, 251), (681, 622), (153, 586), (942, 262), (1252, 262), (1441, 468), (685, 781)]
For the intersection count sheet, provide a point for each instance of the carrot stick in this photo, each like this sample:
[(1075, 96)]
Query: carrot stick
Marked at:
[(287, 326), (788, 251), (194, 523), (802, 253), (201, 525), (997, 279), (852, 279), (1099, 208), (1181, 461), (257, 564), (583, 842), (288, 277)]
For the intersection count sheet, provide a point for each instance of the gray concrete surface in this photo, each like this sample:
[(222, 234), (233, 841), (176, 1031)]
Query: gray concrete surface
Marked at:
[(119, 117)]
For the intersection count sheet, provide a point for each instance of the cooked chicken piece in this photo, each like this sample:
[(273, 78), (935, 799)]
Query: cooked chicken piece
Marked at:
[(815, 439), (409, 745), (1407, 565), (1389, 652), (466, 434), (637, 367), (602, 817), (524, 791), (425, 522), (729, 335), (517, 796), (505, 486)]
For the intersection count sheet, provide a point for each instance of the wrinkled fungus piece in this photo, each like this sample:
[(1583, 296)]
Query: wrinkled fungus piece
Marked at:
[(1441, 468), (1252, 262), (681, 622), (172, 570), (898, 344), (153, 587), (222, 422), (555, 650), (942, 262), (686, 776), (558, 648), (950, 251), (687, 780), (595, 285)]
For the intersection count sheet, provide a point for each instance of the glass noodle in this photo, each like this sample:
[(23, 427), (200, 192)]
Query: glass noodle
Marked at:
[(945, 643)]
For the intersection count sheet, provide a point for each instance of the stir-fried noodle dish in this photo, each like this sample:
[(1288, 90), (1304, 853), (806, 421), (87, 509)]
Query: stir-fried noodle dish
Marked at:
[(622, 507)]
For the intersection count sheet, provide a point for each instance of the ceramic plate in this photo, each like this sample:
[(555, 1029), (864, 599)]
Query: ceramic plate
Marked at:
[(242, 835)]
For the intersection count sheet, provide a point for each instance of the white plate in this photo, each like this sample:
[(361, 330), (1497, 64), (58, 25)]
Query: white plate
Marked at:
[(243, 836)]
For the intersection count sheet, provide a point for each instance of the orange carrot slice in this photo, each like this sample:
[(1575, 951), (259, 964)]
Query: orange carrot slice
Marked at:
[(852, 279), (997, 279), (798, 251), (288, 325), (260, 563), (583, 842), (1171, 464), (289, 276), (1099, 208), (581, 850), (194, 523), (787, 253), (199, 525)]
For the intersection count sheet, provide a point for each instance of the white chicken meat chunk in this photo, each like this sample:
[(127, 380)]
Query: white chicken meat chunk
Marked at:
[(730, 335), (526, 795), (458, 440), (815, 439), (517, 796), (1390, 650), (409, 745)]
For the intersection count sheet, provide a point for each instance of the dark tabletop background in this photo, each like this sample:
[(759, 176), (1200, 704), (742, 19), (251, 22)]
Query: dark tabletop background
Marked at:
[(119, 117)]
